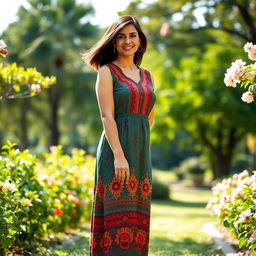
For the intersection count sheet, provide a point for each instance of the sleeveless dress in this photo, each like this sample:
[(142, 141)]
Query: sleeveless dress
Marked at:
[(120, 217)]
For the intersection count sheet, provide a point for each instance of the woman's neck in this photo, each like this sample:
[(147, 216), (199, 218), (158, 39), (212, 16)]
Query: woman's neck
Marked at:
[(125, 63)]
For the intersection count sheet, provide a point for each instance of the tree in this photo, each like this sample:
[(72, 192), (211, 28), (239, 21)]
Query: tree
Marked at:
[(48, 35), (189, 61)]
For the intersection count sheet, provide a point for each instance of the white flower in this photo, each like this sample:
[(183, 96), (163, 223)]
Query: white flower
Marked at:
[(35, 87), (245, 215), (235, 73), (2, 45), (248, 46), (23, 161), (26, 201), (253, 65), (247, 97), (10, 186)]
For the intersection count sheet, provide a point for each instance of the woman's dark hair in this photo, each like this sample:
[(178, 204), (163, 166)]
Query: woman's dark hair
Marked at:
[(103, 52)]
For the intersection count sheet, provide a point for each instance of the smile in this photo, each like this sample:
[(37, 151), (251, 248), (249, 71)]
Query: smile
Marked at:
[(127, 48)]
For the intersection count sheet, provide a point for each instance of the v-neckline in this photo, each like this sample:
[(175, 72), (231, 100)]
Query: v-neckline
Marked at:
[(138, 83)]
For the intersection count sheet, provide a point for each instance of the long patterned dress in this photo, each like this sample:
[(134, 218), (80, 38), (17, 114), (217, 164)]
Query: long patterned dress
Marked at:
[(120, 218)]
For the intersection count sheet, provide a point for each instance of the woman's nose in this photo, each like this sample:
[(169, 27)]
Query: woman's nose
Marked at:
[(127, 39)]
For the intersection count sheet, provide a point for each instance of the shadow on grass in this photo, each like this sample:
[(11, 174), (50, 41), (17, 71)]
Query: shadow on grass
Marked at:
[(187, 246), (177, 203), (79, 247)]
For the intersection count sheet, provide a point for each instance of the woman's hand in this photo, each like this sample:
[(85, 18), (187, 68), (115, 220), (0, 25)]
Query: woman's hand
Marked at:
[(122, 170)]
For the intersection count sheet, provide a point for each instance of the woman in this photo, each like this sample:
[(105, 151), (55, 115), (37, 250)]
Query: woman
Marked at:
[(122, 194)]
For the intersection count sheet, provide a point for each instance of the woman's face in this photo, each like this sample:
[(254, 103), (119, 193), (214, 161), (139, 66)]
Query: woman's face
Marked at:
[(127, 41)]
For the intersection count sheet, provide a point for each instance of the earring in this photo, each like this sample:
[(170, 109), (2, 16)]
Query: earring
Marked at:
[(139, 49), (114, 50)]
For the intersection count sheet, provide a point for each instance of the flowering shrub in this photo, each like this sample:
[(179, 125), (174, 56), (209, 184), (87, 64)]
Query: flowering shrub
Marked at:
[(69, 182), (234, 202), (38, 197), (245, 75)]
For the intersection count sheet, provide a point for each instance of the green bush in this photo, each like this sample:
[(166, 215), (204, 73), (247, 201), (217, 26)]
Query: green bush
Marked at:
[(159, 190), (38, 197), (193, 169)]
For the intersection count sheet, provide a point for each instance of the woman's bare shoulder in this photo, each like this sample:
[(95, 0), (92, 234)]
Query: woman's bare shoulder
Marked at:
[(104, 69), (104, 73)]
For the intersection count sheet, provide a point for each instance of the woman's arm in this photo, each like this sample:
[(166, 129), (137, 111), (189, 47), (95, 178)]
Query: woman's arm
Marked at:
[(104, 93)]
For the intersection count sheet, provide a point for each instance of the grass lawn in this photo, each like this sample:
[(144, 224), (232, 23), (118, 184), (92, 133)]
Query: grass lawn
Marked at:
[(175, 227)]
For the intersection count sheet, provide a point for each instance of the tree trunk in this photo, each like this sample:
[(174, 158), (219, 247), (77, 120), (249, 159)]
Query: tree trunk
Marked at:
[(220, 165), (220, 152), (54, 95)]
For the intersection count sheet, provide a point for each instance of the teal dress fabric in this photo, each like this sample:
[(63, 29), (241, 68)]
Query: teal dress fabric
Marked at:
[(120, 220)]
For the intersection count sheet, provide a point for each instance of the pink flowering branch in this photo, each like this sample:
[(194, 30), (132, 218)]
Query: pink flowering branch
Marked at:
[(245, 75), (3, 51)]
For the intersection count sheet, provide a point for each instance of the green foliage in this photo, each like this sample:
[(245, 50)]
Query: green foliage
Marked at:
[(193, 169), (159, 189), (18, 82), (38, 197)]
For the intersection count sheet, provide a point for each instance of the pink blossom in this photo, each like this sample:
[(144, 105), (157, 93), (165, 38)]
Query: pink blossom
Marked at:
[(247, 97), (35, 87), (226, 198), (10, 186), (252, 5), (2, 44), (74, 150), (245, 215), (251, 49), (248, 46), (216, 210), (243, 174), (252, 53), (3, 51), (53, 148), (164, 31), (234, 74), (74, 199)]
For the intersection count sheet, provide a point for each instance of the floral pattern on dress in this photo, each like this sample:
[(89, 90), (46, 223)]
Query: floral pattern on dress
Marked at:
[(132, 185), (140, 238), (145, 188), (101, 190), (105, 242), (124, 237), (115, 187)]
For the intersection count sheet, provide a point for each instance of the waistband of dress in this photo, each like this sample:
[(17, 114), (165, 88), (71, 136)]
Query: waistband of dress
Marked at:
[(137, 115)]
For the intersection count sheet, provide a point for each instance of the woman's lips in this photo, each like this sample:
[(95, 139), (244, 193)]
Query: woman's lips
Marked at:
[(127, 48)]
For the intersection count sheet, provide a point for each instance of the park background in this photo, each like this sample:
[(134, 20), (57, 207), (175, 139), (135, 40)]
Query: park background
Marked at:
[(202, 131)]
